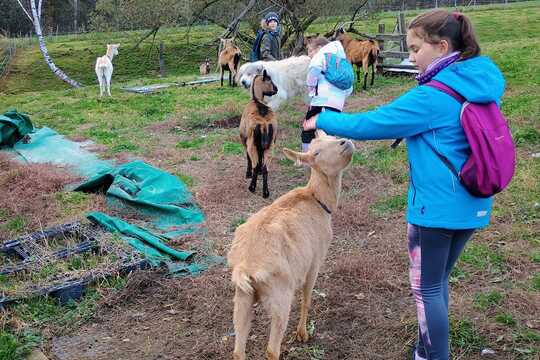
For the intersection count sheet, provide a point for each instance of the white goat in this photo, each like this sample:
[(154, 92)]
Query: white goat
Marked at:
[(104, 69), (289, 76)]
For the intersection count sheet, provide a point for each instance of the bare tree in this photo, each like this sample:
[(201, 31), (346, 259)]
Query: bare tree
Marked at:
[(35, 18)]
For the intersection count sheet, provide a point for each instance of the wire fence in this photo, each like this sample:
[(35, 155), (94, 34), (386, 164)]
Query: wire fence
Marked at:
[(7, 52)]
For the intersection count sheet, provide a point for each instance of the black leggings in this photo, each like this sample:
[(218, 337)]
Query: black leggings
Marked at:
[(309, 135)]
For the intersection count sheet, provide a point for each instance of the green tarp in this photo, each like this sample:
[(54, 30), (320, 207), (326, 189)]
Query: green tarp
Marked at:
[(47, 146), (161, 199), (159, 196), (13, 127), (153, 246)]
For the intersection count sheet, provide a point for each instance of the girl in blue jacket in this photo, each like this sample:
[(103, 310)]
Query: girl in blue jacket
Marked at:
[(441, 214)]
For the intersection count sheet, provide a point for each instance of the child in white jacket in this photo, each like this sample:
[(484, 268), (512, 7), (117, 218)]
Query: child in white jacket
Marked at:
[(324, 95)]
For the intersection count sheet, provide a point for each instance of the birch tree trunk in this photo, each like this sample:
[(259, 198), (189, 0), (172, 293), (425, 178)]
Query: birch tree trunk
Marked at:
[(36, 16)]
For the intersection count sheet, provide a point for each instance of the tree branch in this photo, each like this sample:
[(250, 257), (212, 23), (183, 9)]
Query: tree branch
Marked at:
[(356, 12), (232, 26), (26, 12), (153, 31)]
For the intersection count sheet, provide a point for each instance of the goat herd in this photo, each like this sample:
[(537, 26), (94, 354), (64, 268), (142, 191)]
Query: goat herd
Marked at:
[(281, 248)]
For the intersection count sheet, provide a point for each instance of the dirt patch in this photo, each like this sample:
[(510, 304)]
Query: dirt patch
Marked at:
[(228, 122), (27, 199)]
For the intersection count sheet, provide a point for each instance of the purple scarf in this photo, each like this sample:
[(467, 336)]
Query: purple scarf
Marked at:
[(437, 66)]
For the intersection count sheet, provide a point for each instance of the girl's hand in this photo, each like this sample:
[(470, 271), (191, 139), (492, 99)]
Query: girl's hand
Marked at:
[(311, 123)]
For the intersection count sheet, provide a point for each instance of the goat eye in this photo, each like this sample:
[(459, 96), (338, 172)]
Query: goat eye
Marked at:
[(317, 153)]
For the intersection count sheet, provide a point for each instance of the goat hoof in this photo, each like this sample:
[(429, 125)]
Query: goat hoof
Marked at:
[(302, 335), (266, 194), (248, 175), (251, 188)]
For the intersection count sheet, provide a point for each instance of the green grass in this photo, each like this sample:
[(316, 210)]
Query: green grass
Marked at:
[(237, 222), (186, 179), (390, 204), (16, 347), (484, 301), (232, 148), (536, 281), (464, 336), (192, 144), (482, 258), (506, 319)]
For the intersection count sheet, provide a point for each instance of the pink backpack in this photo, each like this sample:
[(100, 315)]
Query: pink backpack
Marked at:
[(492, 160)]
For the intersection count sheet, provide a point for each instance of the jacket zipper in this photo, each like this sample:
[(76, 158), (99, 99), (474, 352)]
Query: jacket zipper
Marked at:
[(412, 183)]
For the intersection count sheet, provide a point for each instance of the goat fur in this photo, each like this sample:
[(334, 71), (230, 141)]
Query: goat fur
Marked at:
[(282, 246), (362, 53), (228, 60), (258, 128), (104, 69)]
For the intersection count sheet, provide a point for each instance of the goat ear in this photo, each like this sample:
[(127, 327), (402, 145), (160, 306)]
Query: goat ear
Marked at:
[(265, 75), (299, 158)]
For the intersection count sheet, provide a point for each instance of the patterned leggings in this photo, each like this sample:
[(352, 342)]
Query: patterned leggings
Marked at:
[(433, 253)]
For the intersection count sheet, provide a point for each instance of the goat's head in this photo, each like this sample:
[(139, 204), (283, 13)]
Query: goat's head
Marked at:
[(326, 154), (262, 86), (113, 48), (225, 43)]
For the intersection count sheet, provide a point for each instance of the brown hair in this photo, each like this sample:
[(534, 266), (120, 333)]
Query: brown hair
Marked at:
[(317, 42), (456, 28)]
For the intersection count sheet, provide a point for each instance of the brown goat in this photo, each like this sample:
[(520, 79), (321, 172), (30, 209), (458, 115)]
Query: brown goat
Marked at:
[(258, 127), (281, 247), (363, 53), (228, 60), (204, 68)]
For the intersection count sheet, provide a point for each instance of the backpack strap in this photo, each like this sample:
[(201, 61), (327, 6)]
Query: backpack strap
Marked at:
[(459, 98), (447, 90)]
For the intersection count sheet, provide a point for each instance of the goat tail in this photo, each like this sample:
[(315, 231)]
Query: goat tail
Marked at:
[(242, 280)]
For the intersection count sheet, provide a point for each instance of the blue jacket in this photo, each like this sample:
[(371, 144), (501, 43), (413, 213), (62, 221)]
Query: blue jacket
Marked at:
[(435, 197)]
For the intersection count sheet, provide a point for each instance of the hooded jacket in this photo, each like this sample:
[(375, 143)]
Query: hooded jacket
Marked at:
[(424, 114)]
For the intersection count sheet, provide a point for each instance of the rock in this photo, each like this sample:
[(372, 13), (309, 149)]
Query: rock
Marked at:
[(36, 355), (487, 352)]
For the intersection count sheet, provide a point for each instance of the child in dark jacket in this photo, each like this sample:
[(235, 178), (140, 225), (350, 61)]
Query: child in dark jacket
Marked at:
[(441, 214)]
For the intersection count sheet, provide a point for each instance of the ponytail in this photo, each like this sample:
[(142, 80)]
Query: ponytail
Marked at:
[(456, 28), (470, 46)]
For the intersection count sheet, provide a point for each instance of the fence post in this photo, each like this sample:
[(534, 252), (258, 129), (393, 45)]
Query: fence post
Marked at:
[(381, 44), (402, 29), (161, 61)]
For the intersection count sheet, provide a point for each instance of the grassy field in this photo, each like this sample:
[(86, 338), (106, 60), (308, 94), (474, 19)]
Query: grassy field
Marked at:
[(497, 278)]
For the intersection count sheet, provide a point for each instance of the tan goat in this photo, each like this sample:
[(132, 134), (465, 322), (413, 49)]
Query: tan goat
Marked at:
[(229, 59), (204, 68), (281, 247), (360, 53), (258, 127)]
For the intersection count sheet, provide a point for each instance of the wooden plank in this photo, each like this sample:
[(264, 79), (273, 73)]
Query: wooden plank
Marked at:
[(390, 37), (381, 43), (398, 66), (394, 54)]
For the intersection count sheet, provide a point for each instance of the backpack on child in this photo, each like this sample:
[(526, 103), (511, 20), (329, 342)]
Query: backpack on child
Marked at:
[(492, 159), (256, 48), (339, 71)]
